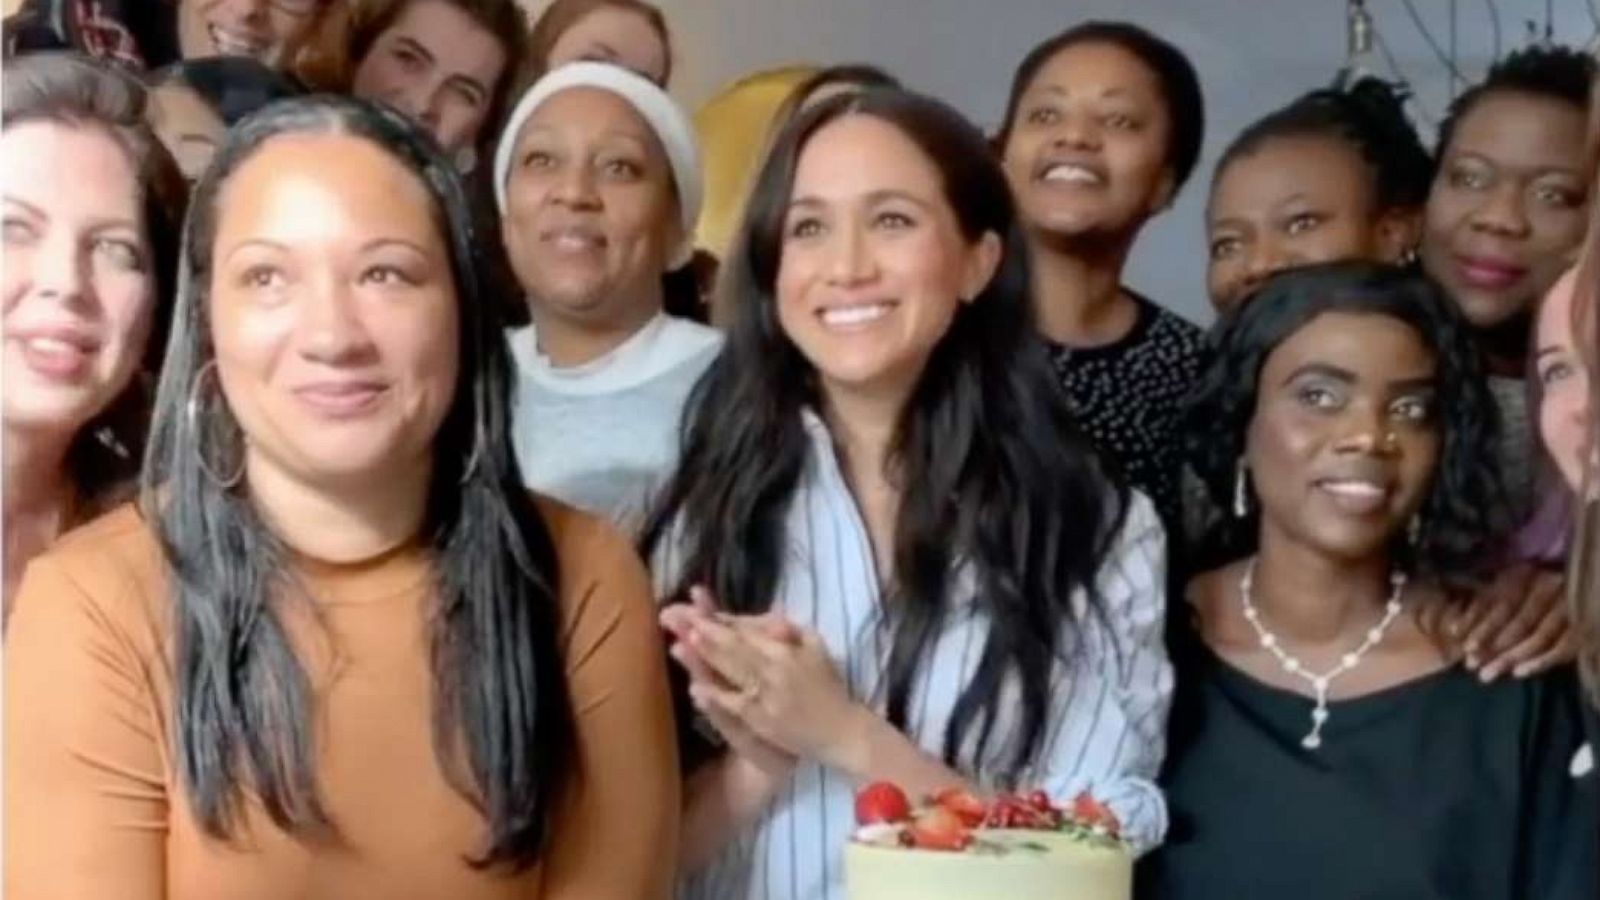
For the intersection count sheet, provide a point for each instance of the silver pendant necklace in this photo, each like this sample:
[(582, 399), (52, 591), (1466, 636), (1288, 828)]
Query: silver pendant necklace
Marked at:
[(1320, 682)]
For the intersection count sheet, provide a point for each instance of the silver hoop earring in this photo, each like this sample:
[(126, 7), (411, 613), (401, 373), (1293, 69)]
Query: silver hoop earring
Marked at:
[(197, 418), (1241, 491)]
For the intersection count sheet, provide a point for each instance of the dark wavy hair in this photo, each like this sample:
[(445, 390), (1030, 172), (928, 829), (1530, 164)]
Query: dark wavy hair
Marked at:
[(503, 726), (1369, 116), (993, 471), (1180, 86), (1457, 529), (1555, 72), (77, 92)]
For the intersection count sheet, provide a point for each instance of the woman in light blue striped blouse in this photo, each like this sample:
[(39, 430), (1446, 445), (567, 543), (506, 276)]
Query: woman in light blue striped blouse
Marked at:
[(906, 562)]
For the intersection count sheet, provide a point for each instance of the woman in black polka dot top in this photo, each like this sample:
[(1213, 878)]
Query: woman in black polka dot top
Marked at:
[(1103, 127)]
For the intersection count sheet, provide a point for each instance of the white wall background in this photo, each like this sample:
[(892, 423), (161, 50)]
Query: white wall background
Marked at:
[(1252, 56)]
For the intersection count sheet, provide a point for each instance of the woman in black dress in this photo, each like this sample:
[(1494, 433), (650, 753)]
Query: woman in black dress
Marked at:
[(1324, 743)]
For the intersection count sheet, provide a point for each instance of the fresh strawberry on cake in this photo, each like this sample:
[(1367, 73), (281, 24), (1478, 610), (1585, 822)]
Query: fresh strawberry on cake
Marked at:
[(958, 846)]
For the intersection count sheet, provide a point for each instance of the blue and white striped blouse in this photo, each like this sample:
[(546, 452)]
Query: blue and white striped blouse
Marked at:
[(1105, 732)]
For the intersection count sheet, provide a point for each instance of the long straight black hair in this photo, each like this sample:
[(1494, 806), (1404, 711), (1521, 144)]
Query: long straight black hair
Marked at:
[(243, 720), (993, 472)]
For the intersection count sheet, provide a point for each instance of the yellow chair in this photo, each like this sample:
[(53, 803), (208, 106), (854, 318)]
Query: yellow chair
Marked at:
[(733, 127)]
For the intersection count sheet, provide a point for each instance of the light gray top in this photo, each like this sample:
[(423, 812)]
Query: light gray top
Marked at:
[(603, 436)]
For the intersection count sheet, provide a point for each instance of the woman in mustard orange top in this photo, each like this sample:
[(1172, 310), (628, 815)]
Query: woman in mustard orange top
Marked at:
[(336, 652)]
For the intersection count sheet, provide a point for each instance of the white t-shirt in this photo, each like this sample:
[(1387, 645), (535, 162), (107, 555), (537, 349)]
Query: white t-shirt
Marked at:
[(603, 436)]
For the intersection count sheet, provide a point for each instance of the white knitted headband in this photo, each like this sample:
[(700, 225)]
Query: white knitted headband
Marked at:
[(666, 119)]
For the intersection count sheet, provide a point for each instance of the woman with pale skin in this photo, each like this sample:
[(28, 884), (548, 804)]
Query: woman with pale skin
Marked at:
[(151, 34), (598, 180), (336, 649), (1565, 350), (91, 210), (269, 31), (446, 64), (1566, 369), (1567, 406), (627, 33), (881, 486)]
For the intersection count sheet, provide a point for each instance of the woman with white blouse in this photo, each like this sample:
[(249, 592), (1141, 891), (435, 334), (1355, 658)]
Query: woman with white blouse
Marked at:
[(904, 561)]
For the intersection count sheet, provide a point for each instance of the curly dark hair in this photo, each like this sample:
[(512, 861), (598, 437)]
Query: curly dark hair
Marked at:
[(1369, 115), (1554, 71), (1458, 513)]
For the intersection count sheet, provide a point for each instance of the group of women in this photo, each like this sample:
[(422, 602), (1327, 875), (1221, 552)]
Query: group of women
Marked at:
[(373, 530)]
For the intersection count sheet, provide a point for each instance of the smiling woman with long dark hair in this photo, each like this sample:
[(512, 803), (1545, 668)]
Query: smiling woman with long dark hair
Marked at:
[(904, 559), (336, 650)]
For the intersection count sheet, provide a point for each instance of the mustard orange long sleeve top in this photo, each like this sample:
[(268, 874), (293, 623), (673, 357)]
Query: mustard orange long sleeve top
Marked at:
[(93, 810)]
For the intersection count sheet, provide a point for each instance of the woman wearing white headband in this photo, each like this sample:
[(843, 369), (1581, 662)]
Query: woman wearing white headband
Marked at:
[(598, 183)]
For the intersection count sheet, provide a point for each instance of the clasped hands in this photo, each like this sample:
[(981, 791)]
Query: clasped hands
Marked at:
[(767, 685)]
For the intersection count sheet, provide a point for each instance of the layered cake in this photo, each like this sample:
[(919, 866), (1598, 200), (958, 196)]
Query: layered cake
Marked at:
[(957, 847)]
